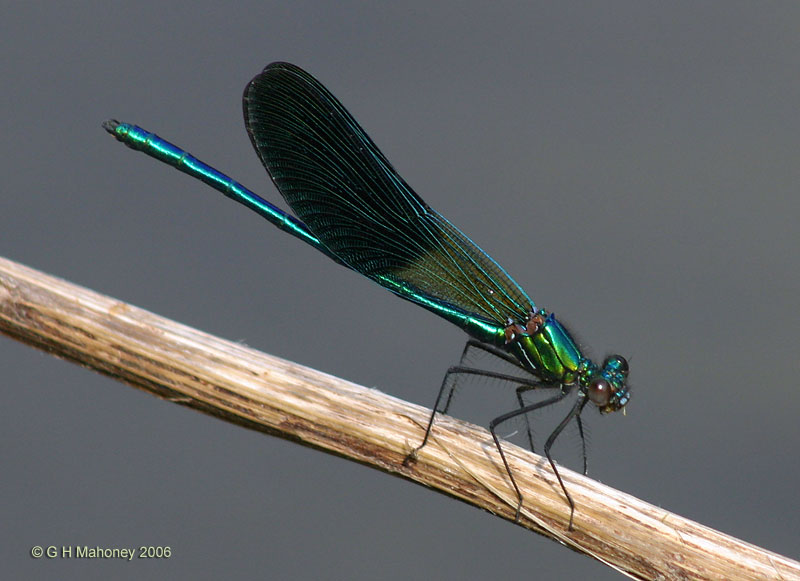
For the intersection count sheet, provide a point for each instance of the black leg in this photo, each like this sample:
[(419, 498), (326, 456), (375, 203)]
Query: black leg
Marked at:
[(472, 344), (507, 416), (463, 371), (531, 383), (579, 421), (520, 390), (491, 350), (575, 412), (527, 385)]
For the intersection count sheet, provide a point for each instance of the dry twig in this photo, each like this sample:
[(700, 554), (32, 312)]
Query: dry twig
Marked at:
[(257, 391)]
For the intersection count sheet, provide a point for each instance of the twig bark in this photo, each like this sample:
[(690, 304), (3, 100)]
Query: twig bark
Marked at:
[(261, 392)]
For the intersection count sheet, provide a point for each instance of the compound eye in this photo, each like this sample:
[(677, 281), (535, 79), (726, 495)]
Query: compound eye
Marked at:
[(618, 363), (599, 392)]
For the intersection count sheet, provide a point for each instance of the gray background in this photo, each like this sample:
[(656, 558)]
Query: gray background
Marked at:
[(634, 166)]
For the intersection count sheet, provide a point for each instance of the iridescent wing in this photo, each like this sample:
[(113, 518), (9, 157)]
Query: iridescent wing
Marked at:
[(348, 194)]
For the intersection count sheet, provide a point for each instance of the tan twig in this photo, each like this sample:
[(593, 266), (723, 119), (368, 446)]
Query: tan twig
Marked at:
[(257, 391)]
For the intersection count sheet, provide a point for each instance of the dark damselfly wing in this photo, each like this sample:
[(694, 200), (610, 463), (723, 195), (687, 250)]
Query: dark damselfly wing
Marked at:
[(347, 193)]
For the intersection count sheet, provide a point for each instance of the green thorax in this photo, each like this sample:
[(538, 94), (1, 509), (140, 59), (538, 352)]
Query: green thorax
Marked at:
[(543, 347)]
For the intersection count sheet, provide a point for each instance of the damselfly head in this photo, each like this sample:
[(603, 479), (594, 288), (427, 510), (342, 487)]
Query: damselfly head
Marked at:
[(606, 387)]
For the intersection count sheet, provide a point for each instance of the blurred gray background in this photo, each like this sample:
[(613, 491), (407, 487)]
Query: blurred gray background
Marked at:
[(633, 165)]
